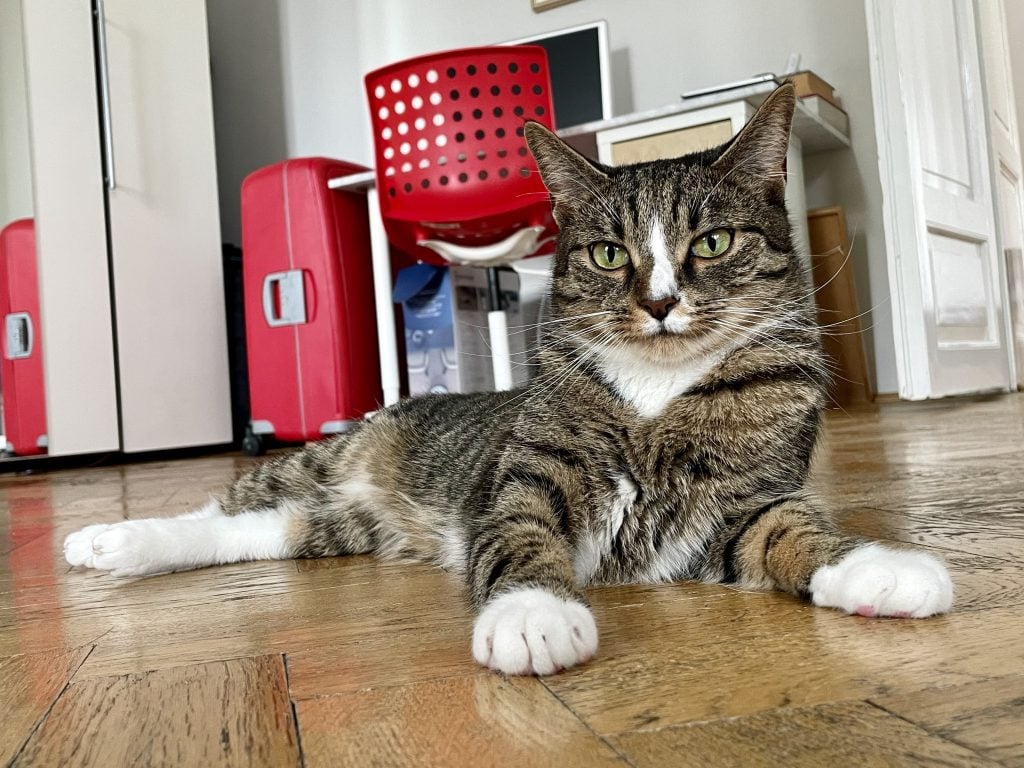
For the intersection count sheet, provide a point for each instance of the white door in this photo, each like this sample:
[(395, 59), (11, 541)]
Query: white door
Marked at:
[(165, 227), (945, 268), (1006, 163)]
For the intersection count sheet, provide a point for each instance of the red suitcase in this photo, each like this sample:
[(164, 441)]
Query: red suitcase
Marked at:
[(311, 332), (21, 374)]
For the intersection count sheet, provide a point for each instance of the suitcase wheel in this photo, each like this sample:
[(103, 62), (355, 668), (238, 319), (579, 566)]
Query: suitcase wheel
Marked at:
[(253, 444)]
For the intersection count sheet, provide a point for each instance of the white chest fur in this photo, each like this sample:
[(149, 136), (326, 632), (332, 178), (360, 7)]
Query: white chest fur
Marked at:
[(650, 387), (595, 544)]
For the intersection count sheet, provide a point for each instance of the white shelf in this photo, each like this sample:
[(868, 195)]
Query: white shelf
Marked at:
[(814, 133)]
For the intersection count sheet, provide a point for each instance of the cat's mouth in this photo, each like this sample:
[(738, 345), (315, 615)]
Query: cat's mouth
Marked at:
[(666, 341), (673, 325), (678, 336)]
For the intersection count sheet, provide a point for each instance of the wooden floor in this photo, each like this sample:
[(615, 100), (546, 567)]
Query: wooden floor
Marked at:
[(345, 662)]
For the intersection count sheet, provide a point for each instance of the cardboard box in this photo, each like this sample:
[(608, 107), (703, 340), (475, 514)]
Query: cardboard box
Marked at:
[(446, 334), (809, 84)]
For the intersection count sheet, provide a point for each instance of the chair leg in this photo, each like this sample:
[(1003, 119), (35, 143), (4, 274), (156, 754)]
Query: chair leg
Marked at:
[(501, 360), (386, 340)]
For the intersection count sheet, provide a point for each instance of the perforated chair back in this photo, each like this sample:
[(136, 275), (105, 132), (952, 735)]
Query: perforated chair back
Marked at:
[(450, 155)]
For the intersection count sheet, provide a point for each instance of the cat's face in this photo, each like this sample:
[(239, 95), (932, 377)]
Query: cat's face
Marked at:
[(674, 258)]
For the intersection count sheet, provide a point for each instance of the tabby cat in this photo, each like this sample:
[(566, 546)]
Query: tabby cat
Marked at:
[(667, 435)]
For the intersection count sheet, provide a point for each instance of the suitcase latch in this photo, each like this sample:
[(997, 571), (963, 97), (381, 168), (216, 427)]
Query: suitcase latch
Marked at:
[(284, 298), (19, 335)]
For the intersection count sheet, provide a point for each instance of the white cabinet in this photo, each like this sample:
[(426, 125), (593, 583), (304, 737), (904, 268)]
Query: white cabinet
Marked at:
[(131, 284)]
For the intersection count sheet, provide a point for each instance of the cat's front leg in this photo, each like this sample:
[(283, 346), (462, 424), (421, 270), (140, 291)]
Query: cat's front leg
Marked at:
[(791, 544), (533, 619)]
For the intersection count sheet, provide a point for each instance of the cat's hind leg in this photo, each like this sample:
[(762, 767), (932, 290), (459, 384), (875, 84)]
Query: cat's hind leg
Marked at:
[(197, 539), (791, 544), (280, 509)]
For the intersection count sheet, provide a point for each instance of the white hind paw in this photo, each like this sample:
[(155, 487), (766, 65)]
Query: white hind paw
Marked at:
[(130, 548), (533, 632), (78, 545), (878, 581)]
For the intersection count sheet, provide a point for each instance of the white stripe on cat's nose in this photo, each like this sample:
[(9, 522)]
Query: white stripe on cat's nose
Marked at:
[(663, 275)]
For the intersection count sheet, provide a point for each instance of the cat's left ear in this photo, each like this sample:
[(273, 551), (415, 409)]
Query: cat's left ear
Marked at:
[(569, 176), (760, 148)]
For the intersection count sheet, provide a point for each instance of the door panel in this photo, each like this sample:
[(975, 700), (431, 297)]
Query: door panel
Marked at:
[(945, 265), (933, 55), (960, 287)]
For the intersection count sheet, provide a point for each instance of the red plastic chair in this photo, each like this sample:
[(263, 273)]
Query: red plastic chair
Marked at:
[(454, 175), (456, 181)]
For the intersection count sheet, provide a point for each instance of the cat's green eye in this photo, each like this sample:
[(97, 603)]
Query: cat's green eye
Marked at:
[(609, 255), (712, 244)]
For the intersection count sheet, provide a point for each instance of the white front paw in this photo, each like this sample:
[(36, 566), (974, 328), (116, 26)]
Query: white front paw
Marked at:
[(129, 548), (875, 580), (533, 632)]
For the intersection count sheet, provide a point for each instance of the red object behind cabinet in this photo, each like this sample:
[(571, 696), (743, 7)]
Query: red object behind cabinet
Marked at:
[(21, 374), (311, 332)]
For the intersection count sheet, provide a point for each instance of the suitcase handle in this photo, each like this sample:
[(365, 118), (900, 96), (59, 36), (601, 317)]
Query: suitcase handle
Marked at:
[(19, 335), (284, 298)]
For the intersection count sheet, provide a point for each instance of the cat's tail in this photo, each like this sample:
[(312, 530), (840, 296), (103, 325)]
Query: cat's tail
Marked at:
[(323, 500)]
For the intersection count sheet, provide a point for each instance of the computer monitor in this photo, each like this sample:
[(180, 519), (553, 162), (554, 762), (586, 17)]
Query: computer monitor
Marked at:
[(578, 62)]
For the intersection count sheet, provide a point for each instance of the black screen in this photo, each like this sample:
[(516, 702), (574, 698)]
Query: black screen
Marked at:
[(575, 65)]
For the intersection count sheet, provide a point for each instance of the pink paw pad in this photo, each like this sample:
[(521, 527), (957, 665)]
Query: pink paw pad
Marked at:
[(865, 610)]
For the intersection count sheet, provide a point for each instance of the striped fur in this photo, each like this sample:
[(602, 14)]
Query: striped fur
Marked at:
[(530, 482), (642, 451)]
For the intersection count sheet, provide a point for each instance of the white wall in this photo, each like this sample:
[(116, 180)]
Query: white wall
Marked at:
[(660, 48), (15, 169)]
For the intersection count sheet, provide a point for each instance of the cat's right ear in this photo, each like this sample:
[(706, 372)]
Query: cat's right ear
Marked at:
[(760, 148), (571, 178)]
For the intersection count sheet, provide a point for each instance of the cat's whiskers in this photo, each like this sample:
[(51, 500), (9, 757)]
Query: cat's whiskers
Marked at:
[(558, 337), (558, 321), (584, 353), (586, 357), (760, 333), (822, 328), (817, 363)]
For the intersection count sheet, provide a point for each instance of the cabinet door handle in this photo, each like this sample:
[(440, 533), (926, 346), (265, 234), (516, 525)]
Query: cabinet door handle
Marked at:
[(108, 128)]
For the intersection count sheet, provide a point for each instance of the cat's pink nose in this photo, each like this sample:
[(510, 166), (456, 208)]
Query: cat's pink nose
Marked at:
[(658, 309)]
